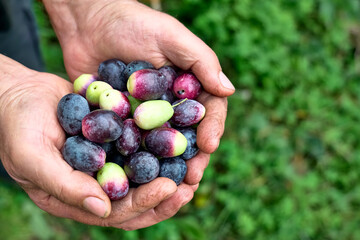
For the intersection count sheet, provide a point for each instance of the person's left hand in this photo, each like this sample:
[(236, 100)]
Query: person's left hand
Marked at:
[(31, 140)]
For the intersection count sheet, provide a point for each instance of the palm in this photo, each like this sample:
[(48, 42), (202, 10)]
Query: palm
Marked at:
[(31, 140), (33, 122)]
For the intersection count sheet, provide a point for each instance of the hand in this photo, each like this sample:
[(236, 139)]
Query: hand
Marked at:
[(94, 31), (31, 139), (128, 30)]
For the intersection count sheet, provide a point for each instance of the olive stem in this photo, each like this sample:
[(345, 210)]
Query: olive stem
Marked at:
[(179, 103)]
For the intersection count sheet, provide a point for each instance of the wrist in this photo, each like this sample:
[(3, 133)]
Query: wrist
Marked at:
[(13, 75)]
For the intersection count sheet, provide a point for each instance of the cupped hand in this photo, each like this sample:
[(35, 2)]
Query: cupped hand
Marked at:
[(129, 31), (31, 139), (95, 31)]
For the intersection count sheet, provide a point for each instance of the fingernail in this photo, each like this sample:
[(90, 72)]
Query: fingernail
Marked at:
[(95, 206), (225, 81)]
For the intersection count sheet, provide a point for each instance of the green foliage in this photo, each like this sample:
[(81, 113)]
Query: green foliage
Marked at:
[(287, 167)]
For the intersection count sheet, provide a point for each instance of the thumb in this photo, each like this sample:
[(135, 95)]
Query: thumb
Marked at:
[(189, 52), (53, 175)]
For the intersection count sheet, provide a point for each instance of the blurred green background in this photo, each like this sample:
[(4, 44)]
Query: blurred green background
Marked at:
[(288, 166)]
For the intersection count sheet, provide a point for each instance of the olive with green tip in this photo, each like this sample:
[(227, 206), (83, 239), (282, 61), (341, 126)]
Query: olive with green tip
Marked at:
[(83, 82), (113, 181), (94, 91), (166, 142), (147, 84), (116, 101), (152, 114)]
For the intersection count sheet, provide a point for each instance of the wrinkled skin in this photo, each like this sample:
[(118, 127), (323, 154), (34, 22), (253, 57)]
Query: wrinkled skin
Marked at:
[(31, 137), (31, 140)]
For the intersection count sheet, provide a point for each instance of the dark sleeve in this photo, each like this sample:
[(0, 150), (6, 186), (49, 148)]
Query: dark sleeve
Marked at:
[(18, 33)]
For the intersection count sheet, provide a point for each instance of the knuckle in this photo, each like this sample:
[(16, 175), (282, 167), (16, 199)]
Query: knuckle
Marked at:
[(218, 123), (104, 223), (168, 208), (197, 176), (168, 212), (59, 192), (195, 187), (144, 202), (187, 196), (41, 200)]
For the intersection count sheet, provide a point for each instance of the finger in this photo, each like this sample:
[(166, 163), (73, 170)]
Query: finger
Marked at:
[(211, 128), (135, 203), (196, 167), (163, 211), (145, 197), (189, 52), (194, 187), (54, 176)]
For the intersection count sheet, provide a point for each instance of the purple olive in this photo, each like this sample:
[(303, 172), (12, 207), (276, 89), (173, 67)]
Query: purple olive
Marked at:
[(112, 72), (187, 113), (102, 126), (142, 167), (83, 155), (187, 86), (147, 84), (113, 181), (129, 141), (166, 142), (71, 109), (170, 75)]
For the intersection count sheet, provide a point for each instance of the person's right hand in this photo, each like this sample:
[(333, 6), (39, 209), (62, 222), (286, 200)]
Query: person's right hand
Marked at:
[(30, 143)]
